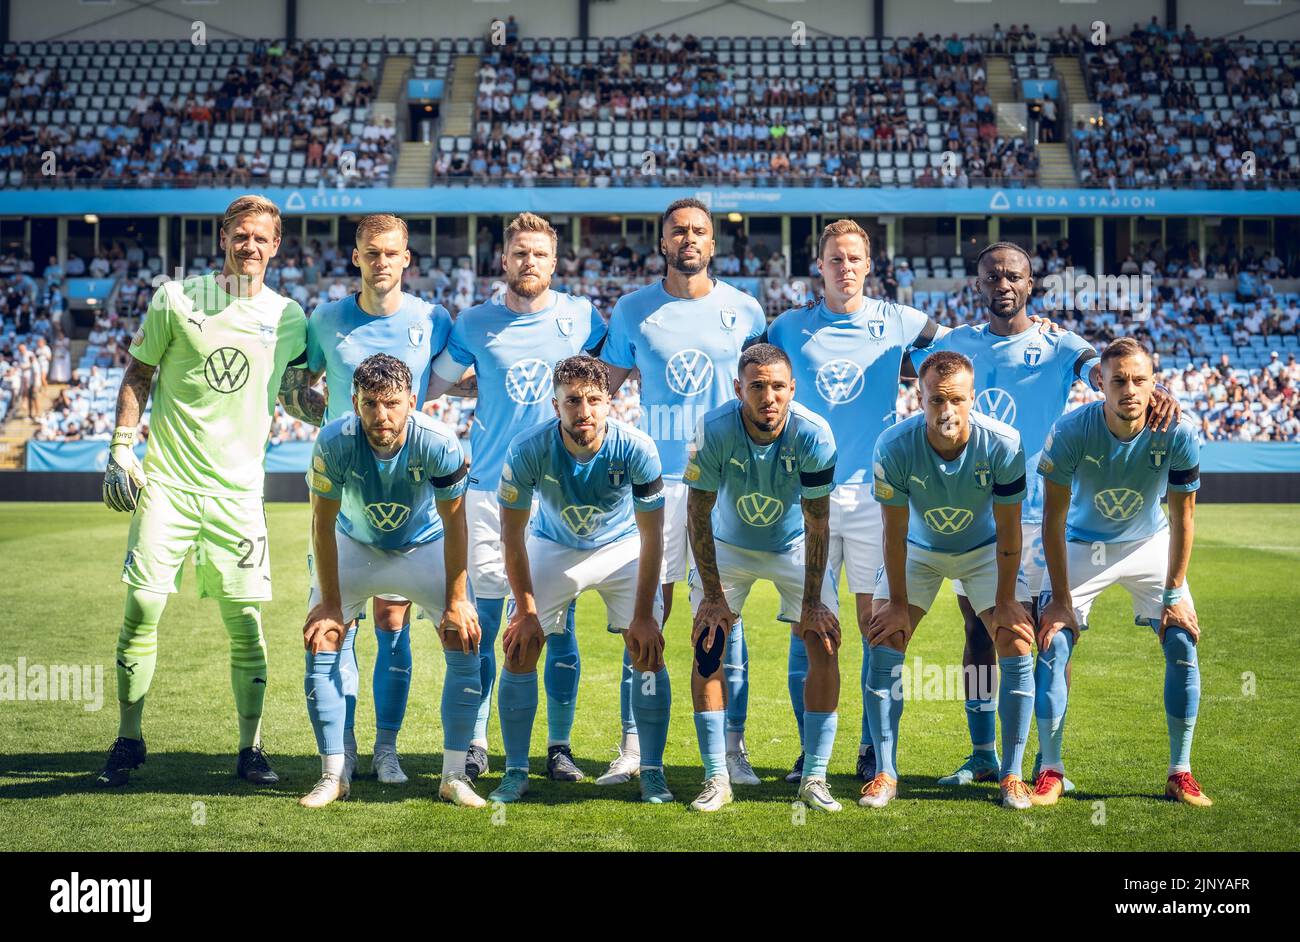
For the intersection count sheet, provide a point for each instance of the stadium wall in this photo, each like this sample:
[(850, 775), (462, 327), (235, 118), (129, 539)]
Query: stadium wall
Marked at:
[(171, 19)]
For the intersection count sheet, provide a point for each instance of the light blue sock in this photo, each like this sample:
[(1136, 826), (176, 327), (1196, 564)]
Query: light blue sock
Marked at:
[(865, 737), (518, 704), (625, 712), (982, 721), (1051, 697), (1182, 695), (819, 743), (1015, 709), (652, 700), (710, 728), (735, 672), (323, 686), (461, 692), (886, 709), (796, 671), (392, 681), (489, 623), (563, 668), (350, 671)]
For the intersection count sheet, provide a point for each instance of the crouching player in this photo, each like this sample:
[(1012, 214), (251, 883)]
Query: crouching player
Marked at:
[(1105, 471), (951, 482), (760, 472), (600, 526), (388, 517)]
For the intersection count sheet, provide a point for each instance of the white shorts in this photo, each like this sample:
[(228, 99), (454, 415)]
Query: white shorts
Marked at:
[(1140, 566), (1033, 564), (561, 573), (857, 537), (386, 596), (487, 567), (739, 569), (364, 571), (677, 547), (926, 570)]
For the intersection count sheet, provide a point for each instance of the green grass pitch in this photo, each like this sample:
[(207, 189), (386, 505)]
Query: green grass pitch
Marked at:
[(63, 603)]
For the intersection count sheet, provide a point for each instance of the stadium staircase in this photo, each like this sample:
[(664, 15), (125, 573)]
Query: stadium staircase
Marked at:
[(1002, 90), (458, 107)]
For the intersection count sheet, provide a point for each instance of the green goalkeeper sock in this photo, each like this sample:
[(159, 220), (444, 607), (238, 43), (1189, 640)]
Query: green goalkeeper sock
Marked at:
[(137, 655), (243, 621)]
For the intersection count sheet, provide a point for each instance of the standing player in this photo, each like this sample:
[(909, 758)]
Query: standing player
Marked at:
[(951, 482), (847, 352), (1023, 376), (600, 527), (513, 345), (340, 335), (760, 474), (1105, 472), (402, 477), (221, 346), (684, 334)]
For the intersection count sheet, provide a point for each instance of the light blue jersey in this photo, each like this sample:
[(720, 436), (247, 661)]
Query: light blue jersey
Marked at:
[(846, 369), (340, 335), (1117, 486), (1023, 380), (389, 503), (951, 501), (688, 351), (760, 487), (583, 505), (513, 356)]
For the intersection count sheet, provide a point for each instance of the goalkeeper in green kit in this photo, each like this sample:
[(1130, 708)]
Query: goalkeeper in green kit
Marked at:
[(224, 348)]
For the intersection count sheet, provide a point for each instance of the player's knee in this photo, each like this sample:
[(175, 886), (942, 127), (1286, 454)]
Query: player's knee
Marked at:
[(143, 609), (243, 621), (708, 663), (1010, 644), (1178, 645), (392, 616), (895, 642)]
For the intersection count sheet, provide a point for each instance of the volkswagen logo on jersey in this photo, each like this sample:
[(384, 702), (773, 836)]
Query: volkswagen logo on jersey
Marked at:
[(565, 324), (1156, 456), (386, 516), (1118, 503), (997, 404), (876, 328), (528, 381), (728, 316), (983, 474), (616, 471), (689, 372), (581, 518), (948, 519), (416, 334), (226, 369), (840, 381), (1033, 354), (759, 510)]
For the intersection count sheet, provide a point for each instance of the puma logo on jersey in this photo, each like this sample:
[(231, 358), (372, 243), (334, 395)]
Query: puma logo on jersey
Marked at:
[(198, 324), (920, 481), (1096, 461), (742, 465), (401, 670), (547, 477)]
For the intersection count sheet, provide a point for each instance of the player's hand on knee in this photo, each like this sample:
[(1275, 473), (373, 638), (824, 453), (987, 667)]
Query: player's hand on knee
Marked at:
[(819, 620), (889, 619), (645, 642), (124, 475), (324, 629), (1011, 616), (461, 619), (1182, 615), (522, 634), (1058, 614), (712, 613)]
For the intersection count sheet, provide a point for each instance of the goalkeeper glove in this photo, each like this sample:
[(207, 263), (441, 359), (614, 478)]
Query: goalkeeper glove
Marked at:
[(124, 475)]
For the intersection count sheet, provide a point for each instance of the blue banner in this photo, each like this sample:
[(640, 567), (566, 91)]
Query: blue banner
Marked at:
[(1038, 88), (1243, 457), (650, 200), (79, 289), (424, 89)]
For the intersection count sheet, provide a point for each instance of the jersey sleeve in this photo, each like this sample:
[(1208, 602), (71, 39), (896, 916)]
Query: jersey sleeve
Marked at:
[(619, 350), (918, 354), (328, 474), (518, 479), (889, 485), (452, 362), (758, 320), (1060, 455), (703, 460), (817, 468), (915, 323), (1184, 460), (1009, 485), (153, 336), (447, 470), (647, 478), (1079, 358), (440, 330), (596, 335)]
